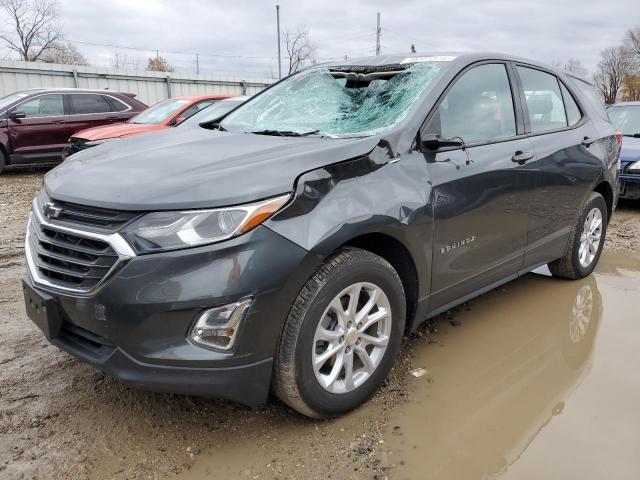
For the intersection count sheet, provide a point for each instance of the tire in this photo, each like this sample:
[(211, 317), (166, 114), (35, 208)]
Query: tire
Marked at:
[(3, 161), (350, 273), (570, 265)]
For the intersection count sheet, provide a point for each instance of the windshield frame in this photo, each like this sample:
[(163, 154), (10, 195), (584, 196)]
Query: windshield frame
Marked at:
[(611, 109), (442, 67)]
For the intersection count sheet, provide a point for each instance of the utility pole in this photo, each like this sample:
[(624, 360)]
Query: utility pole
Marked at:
[(197, 64), (378, 35), (278, 25)]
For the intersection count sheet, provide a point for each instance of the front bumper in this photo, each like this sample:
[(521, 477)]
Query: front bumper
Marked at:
[(75, 145), (134, 327), (630, 186)]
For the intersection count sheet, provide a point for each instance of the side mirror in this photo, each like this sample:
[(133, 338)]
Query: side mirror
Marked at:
[(436, 142), (178, 121), (17, 114)]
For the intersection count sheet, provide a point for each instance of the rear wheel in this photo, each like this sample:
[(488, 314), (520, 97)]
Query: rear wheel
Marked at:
[(341, 336), (585, 242), (3, 161)]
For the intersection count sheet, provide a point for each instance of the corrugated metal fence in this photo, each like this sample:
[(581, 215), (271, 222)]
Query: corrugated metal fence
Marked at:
[(150, 87)]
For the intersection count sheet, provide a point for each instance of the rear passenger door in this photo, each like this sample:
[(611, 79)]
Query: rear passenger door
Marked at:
[(567, 161), (88, 110), (480, 194)]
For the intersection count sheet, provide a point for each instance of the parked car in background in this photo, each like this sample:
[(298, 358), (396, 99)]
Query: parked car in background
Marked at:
[(164, 114), (214, 112), (291, 246), (626, 117), (35, 124)]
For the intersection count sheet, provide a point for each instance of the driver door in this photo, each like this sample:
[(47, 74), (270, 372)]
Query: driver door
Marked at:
[(42, 133), (481, 193)]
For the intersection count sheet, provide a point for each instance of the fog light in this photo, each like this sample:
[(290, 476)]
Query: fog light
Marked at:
[(217, 327)]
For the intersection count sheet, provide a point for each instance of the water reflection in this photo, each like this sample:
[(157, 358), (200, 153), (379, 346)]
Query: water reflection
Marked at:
[(496, 380)]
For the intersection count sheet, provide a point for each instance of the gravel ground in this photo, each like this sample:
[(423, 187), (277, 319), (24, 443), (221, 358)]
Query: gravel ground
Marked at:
[(62, 419)]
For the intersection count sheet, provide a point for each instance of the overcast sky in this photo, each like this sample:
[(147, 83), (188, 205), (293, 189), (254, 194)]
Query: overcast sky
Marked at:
[(240, 36)]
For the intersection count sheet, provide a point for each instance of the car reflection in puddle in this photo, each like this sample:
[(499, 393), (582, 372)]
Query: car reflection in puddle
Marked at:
[(501, 378)]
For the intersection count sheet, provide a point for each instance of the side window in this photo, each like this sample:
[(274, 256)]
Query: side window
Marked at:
[(115, 105), (87, 103), (195, 108), (588, 92), (544, 100), (479, 107), (43, 106), (570, 105)]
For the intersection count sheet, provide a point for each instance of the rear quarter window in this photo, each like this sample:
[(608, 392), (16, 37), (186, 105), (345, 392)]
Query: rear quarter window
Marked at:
[(590, 97)]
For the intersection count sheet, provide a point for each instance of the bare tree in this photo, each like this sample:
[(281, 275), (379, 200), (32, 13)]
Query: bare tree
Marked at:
[(300, 49), (158, 64), (67, 54), (631, 43), (610, 73), (35, 23), (572, 65), (122, 60)]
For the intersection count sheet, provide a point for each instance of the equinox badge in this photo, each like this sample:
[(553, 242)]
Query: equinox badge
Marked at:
[(453, 246)]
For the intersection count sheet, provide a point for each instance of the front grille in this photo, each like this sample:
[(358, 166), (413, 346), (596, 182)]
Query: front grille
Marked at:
[(82, 215), (68, 260)]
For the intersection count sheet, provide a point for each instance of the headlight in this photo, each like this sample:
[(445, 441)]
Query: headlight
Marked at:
[(160, 231), (635, 167), (93, 143)]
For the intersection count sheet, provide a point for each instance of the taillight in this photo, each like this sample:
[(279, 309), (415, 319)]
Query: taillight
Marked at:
[(619, 138)]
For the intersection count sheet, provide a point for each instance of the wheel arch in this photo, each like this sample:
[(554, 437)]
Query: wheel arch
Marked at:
[(604, 189), (398, 255)]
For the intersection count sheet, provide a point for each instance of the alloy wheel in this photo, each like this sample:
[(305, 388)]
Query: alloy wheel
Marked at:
[(351, 337), (590, 237)]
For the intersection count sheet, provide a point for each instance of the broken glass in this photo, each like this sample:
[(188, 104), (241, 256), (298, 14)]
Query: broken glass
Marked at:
[(336, 102)]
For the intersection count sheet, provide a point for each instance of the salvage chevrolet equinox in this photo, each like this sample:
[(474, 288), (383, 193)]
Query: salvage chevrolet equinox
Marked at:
[(289, 246)]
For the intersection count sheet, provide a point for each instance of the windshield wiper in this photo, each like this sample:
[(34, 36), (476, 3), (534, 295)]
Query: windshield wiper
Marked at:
[(285, 133), (213, 126)]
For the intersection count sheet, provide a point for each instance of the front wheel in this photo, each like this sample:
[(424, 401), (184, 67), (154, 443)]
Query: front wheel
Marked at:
[(341, 336), (585, 242)]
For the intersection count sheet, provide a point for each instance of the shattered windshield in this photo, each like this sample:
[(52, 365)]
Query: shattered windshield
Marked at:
[(335, 101)]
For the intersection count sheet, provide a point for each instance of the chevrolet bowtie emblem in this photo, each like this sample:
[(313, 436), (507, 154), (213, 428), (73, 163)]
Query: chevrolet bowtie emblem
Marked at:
[(51, 211)]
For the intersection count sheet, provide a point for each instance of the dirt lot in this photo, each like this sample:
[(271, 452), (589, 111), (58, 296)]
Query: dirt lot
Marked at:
[(62, 419)]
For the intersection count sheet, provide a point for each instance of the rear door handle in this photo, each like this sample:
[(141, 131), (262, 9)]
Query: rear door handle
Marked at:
[(587, 142), (522, 157)]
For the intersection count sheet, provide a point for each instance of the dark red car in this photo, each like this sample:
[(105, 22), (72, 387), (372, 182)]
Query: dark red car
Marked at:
[(35, 124)]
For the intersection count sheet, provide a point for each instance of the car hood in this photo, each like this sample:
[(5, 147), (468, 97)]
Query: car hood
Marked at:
[(116, 130), (193, 168), (630, 151)]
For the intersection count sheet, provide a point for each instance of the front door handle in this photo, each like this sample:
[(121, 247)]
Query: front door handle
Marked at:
[(522, 157)]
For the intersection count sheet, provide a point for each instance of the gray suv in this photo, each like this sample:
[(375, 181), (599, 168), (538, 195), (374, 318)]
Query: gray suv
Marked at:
[(289, 246)]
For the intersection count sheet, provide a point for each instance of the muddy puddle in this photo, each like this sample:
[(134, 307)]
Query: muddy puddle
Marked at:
[(539, 380)]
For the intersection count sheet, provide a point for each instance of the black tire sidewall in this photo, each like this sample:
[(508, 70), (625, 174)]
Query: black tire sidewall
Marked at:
[(364, 270), (596, 202)]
